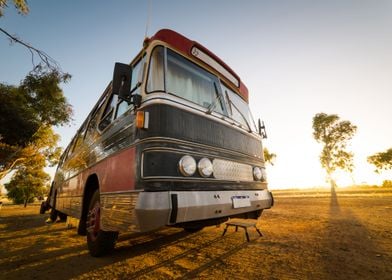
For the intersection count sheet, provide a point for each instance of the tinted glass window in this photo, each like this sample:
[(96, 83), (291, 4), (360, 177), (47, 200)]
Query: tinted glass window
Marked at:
[(238, 109), (192, 82), (108, 113), (155, 80)]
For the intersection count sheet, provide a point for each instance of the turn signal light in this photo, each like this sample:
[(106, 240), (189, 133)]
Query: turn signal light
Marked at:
[(142, 119)]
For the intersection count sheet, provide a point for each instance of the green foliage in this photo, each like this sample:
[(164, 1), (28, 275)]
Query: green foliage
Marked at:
[(269, 157), (29, 180), (42, 149), (20, 5), (27, 183), (387, 184), (27, 113), (382, 160), (37, 101), (334, 135)]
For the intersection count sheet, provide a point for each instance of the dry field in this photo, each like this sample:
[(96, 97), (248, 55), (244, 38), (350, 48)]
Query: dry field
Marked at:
[(307, 235)]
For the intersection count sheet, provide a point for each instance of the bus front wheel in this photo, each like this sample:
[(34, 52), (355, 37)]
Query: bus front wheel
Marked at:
[(99, 242)]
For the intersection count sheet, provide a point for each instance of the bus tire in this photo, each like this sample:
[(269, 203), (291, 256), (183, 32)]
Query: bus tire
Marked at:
[(62, 216), (99, 242), (53, 215)]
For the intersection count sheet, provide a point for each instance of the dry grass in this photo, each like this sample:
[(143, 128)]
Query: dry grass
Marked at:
[(307, 235)]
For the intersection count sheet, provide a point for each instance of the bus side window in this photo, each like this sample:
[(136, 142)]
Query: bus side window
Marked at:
[(107, 116), (80, 136), (123, 107), (92, 133), (137, 73)]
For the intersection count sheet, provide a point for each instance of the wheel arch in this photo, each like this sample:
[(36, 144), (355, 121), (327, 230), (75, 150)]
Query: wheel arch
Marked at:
[(92, 184)]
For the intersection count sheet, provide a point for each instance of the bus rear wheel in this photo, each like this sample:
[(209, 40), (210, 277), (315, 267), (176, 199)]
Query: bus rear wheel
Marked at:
[(99, 242)]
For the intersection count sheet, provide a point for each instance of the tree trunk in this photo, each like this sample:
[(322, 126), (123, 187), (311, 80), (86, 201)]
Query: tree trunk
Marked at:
[(25, 203), (333, 184), (331, 181)]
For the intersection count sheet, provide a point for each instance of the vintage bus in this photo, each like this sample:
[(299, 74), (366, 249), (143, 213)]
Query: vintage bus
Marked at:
[(171, 142)]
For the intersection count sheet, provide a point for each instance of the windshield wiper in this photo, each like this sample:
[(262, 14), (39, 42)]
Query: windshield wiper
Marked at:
[(218, 97), (242, 115)]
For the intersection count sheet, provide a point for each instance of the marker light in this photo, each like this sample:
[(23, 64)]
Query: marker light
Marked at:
[(205, 167), (263, 175), (187, 165), (142, 119)]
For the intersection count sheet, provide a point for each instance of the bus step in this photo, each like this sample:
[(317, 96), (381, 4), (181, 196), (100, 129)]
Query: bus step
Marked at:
[(244, 225)]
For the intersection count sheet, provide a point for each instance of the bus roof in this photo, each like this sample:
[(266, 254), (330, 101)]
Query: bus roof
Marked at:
[(193, 48)]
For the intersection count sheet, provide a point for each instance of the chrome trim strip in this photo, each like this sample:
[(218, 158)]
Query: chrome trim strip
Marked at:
[(208, 155), (122, 192), (178, 102), (202, 146)]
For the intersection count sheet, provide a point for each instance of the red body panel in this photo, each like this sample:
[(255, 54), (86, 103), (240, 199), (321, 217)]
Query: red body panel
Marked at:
[(115, 173)]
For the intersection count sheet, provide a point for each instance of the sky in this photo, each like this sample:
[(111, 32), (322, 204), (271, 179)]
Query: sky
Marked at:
[(297, 58)]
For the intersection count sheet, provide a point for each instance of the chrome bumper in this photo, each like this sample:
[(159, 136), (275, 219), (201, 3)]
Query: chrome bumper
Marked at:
[(156, 209), (146, 211)]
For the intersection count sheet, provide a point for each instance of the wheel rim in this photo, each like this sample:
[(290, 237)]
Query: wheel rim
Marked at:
[(93, 221)]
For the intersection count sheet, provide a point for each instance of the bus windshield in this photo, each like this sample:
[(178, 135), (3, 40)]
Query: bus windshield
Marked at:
[(238, 109), (193, 83)]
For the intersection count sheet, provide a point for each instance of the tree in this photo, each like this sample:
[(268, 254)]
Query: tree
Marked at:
[(26, 115), (20, 5), (29, 180), (381, 160), (41, 148), (334, 135), (27, 109), (269, 157), (47, 63), (27, 183)]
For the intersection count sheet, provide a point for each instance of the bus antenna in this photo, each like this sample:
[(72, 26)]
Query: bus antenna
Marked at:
[(148, 18)]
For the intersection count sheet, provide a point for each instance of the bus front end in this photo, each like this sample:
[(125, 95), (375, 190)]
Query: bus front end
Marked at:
[(201, 154)]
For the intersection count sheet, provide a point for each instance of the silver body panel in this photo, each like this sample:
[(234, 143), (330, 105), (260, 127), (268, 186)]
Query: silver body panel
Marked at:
[(146, 211)]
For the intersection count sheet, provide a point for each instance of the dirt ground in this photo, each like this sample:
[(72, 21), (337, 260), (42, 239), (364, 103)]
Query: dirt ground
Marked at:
[(312, 234)]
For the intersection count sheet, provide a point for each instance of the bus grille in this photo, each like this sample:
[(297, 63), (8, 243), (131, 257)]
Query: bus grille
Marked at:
[(232, 171)]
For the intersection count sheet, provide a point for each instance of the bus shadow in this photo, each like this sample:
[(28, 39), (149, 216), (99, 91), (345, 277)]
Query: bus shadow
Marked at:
[(346, 245), (13, 223), (133, 252), (43, 264)]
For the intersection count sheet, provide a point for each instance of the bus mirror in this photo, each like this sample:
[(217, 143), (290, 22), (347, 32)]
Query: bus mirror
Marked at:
[(121, 84), (262, 130), (136, 100)]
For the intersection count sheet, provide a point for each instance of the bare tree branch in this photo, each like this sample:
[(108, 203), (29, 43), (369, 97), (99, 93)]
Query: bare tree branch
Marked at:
[(46, 59)]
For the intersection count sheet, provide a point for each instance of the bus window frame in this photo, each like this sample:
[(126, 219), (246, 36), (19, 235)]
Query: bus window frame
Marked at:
[(112, 102), (149, 68), (216, 79), (229, 104)]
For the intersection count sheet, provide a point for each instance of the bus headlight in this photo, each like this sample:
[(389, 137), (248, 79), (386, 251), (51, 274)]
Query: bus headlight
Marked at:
[(205, 167), (257, 173), (187, 165)]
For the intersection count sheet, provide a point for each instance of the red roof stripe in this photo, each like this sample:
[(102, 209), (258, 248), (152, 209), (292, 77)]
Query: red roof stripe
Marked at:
[(183, 44)]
